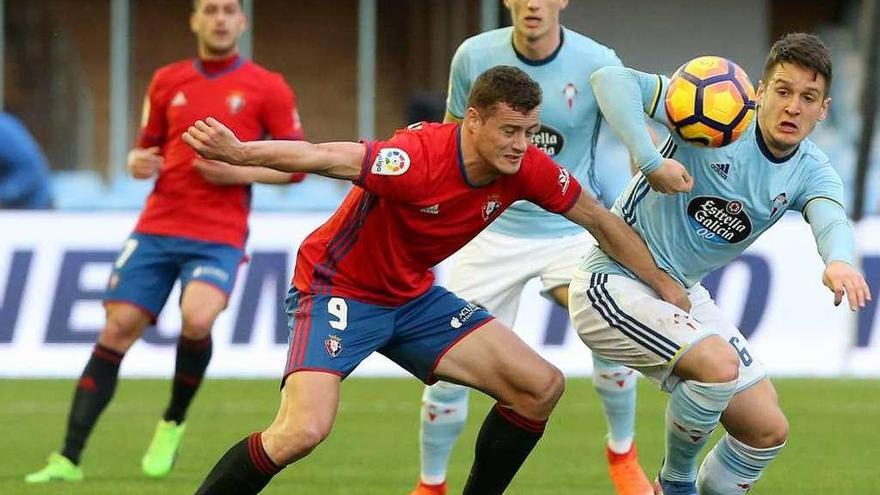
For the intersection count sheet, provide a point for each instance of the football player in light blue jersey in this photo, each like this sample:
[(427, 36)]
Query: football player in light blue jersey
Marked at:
[(739, 191), (526, 242)]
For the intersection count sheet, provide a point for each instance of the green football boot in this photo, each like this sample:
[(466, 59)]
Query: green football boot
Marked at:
[(162, 452), (59, 468)]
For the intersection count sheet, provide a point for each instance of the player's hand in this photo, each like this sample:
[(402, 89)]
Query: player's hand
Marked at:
[(673, 293), (842, 278), (214, 141), (221, 173), (144, 163), (670, 178)]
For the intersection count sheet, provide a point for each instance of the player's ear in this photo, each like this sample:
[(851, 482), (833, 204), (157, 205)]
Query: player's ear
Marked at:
[(192, 23), (823, 112), (759, 93), (472, 118)]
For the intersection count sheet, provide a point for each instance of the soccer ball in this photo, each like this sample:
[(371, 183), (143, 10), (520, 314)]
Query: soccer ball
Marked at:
[(710, 101)]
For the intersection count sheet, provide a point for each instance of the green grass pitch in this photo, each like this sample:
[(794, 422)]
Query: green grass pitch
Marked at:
[(834, 445)]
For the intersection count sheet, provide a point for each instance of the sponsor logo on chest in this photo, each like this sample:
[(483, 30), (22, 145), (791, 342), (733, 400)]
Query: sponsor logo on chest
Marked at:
[(548, 140), (719, 220)]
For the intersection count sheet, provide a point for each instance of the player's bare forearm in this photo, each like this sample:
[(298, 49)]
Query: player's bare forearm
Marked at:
[(341, 160), (212, 140), (263, 175), (622, 243)]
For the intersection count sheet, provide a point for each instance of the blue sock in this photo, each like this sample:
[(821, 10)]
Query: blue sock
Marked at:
[(616, 386), (732, 467), (691, 416), (444, 412)]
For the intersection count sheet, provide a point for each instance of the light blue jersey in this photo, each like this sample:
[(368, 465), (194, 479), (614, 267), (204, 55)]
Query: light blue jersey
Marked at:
[(739, 191), (570, 118)]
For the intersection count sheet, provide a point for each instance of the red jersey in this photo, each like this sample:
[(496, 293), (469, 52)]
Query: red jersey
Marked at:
[(248, 99), (412, 209)]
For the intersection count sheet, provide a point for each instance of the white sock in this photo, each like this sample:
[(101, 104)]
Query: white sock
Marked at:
[(732, 467), (444, 413)]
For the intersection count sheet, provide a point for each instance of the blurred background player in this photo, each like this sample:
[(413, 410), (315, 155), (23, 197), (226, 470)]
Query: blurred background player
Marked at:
[(527, 241), (699, 357), (358, 288), (24, 172), (190, 229)]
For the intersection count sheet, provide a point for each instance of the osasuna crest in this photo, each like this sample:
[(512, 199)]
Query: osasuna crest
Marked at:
[(490, 207), (778, 203), (390, 161), (235, 102), (564, 180), (333, 344)]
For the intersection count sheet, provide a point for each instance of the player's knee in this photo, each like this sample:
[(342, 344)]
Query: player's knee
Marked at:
[(197, 324), (712, 360), (545, 393), (773, 433), (297, 441), (120, 332)]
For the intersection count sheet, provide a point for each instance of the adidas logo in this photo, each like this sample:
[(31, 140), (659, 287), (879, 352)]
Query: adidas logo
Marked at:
[(431, 210), (178, 100), (721, 169)]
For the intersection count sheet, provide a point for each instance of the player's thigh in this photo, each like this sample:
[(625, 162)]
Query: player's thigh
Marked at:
[(754, 416), (704, 309), (333, 334), (143, 274), (563, 256), (623, 321), (200, 304), (492, 270), (496, 361)]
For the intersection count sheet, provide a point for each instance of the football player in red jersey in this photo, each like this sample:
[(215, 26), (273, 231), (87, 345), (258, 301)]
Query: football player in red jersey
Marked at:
[(193, 227), (363, 280)]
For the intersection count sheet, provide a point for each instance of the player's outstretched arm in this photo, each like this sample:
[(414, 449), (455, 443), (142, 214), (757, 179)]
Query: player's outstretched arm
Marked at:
[(622, 243), (223, 174), (625, 96), (836, 244), (214, 141)]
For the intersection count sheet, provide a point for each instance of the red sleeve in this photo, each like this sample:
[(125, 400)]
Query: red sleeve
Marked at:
[(153, 125), (280, 116), (395, 169), (546, 184)]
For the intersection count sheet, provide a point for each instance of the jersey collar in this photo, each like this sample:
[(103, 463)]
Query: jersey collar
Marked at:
[(546, 60), (219, 67), (766, 151)]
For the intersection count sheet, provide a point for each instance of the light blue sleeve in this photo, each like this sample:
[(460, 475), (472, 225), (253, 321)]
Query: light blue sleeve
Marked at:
[(459, 83), (821, 182), (625, 97), (21, 162), (832, 231)]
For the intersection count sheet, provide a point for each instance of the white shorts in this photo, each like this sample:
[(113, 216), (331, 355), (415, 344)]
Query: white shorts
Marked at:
[(492, 269), (624, 321)]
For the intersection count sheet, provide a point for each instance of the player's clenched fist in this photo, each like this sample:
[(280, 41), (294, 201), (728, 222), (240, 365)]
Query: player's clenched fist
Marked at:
[(144, 163), (214, 141), (670, 178)]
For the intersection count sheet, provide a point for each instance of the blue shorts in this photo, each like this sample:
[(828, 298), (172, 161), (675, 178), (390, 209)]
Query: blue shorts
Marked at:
[(148, 266), (334, 334)]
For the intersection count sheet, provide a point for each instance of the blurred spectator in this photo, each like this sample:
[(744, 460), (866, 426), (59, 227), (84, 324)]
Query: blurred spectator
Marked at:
[(24, 172)]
